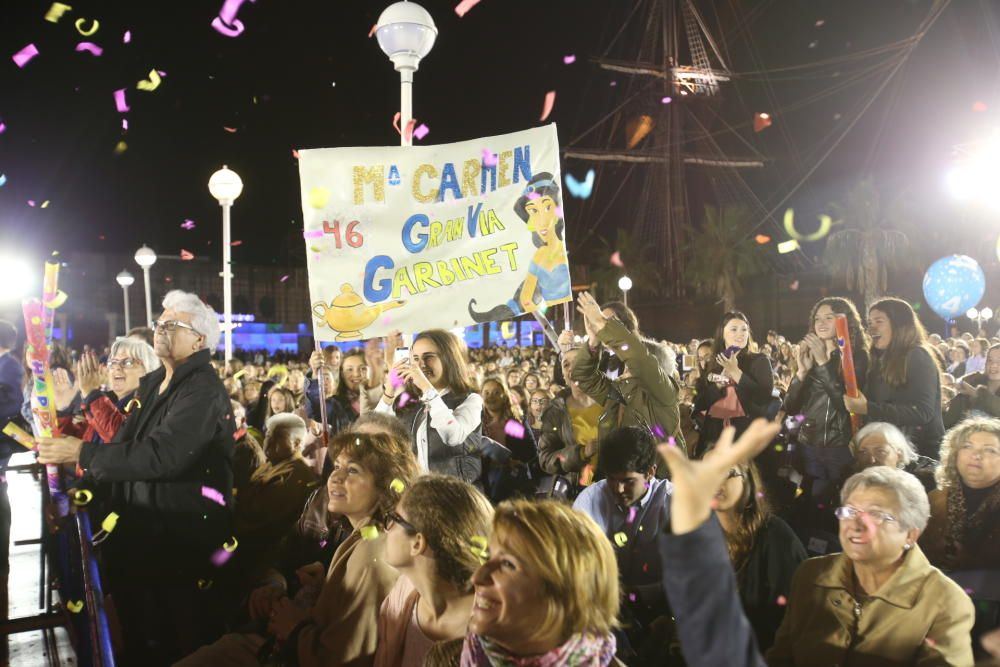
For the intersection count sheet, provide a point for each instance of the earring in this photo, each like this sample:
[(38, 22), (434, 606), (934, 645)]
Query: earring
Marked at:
[(907, 547)]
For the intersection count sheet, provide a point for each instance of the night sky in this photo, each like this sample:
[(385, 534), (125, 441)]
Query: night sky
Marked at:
[(306, 74)]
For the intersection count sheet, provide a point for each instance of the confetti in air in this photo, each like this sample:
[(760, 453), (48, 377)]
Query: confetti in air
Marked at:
[(22, 57), (90, 48), (214, 495), (463, 7), (514, 428), (550, 101)]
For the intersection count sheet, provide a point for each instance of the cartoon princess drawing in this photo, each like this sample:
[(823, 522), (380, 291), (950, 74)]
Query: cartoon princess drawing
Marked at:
[(548, 273)]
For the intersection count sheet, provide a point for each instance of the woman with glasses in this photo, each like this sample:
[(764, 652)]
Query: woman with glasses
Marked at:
[(538, 403), (883, 444), (104, 411), (431, 391), (880, 602), (964, 530), (763, 549), (436, 538)]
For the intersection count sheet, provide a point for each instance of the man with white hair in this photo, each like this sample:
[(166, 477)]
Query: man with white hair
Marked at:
[(170, 471)]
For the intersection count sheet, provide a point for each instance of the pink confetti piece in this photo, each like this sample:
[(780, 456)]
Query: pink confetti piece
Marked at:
[(313, 234), (514, 428), (236, 243), (658, 431), (214, 495), (89, 47), (125, 123), (632, 597), (667, 100), (794, 286), (409, 126), (631, 514), (230, 130), (127, 37), (394, 378), (22, 57), (930, 642), (186, 255), (295, 154), (782, 600), (463, 7), (283, 278), (371, 33), (229, 10), (120, 103), (421, 132), (404, 398), (188, 224), (569, 60), (489, 158), (3, 127), (221, 557), (229, 31), (31, 202), (550, 101), (616, 260)]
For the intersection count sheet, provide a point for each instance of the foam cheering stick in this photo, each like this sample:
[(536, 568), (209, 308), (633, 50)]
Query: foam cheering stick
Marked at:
[(847, 366)]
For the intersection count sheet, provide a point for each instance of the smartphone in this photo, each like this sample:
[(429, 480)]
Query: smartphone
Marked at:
[(402, 354), (688, 362)]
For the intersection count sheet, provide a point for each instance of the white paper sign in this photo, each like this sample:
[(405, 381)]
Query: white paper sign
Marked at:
[(423, 237)]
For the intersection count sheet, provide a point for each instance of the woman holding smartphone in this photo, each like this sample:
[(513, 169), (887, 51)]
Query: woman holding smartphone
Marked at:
[(431, 392)]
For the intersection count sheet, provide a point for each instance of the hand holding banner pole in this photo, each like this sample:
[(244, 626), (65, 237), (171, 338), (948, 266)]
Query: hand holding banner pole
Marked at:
[(847, 366)]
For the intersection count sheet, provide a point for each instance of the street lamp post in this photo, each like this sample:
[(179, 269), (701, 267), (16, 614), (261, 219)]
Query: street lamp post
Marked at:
[(226, 185), (625, 284), (406, 33), (979, 316), (145, 257), (125, 279)]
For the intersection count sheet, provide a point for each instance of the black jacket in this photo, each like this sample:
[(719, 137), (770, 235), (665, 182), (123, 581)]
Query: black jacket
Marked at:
[(171, 446), (820, 400), (753, 391), (915, 406)]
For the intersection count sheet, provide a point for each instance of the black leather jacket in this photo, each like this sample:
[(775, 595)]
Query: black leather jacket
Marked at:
[(819, 399)]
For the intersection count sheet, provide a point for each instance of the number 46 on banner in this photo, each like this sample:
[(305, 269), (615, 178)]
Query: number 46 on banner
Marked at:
[(351, 234)]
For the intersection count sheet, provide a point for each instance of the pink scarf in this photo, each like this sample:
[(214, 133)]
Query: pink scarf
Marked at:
[(580, 650)]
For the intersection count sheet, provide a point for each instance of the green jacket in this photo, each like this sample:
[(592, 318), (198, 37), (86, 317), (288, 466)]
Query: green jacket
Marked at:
[(649, 394)]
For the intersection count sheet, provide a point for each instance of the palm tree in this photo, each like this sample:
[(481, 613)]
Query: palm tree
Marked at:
[(866, 246), (722, 254), (638, 266)]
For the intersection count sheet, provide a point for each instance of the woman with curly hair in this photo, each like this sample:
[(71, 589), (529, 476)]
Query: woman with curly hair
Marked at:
[(435, 538), (370, 472), (964, 528)]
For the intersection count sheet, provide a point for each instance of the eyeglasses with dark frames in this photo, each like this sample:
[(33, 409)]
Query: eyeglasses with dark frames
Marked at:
[(393, 517)]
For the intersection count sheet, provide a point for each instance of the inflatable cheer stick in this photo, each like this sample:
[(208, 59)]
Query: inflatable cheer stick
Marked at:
[(847, 366)]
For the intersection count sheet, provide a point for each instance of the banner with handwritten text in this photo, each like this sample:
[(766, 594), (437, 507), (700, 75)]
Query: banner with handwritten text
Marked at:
[(424, 237)]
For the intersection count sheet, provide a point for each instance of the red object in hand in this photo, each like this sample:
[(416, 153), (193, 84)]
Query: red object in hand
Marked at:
[(847, 366)]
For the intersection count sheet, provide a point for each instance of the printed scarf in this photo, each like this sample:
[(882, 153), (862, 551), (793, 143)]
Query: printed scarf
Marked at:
[(580, 650)]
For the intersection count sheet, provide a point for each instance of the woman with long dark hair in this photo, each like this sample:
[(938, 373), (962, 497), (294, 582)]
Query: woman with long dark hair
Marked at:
[(504, 422), (432, 393), (904, 381), (815, 392), (736, 387), (354, 380), (763, 549)]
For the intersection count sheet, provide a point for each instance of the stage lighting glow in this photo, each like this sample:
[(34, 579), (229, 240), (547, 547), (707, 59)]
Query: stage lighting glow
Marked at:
[(17, 279)]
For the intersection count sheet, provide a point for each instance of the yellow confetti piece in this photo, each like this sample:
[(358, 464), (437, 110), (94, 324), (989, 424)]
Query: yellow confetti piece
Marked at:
[(369, 532), (479, 541), (56, 301), (315, 248), (397, 485), (93, 27), (798, 491), (19, 435), (319, 196), (621, 539), (120, 147), (134, 403), (479, 548), (204, 584), (56, 11), (239, 374), (82, 497), (231, 547), (45, 204), (36, 320), (74, 606), (150, 84), (825, 222), (109, 523)]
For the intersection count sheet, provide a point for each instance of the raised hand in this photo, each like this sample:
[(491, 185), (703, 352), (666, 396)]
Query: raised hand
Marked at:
[(90, 373), (593, 318)]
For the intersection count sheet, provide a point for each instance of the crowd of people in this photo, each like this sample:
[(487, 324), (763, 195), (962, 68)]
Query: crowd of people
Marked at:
[(618, 500)]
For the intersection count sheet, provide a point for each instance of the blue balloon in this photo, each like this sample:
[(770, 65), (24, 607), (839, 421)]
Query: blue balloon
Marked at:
[(953, 285)]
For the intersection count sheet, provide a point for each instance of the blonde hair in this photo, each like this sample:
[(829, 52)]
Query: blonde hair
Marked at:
[(946, 473), (568, 552), (448, 512)]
